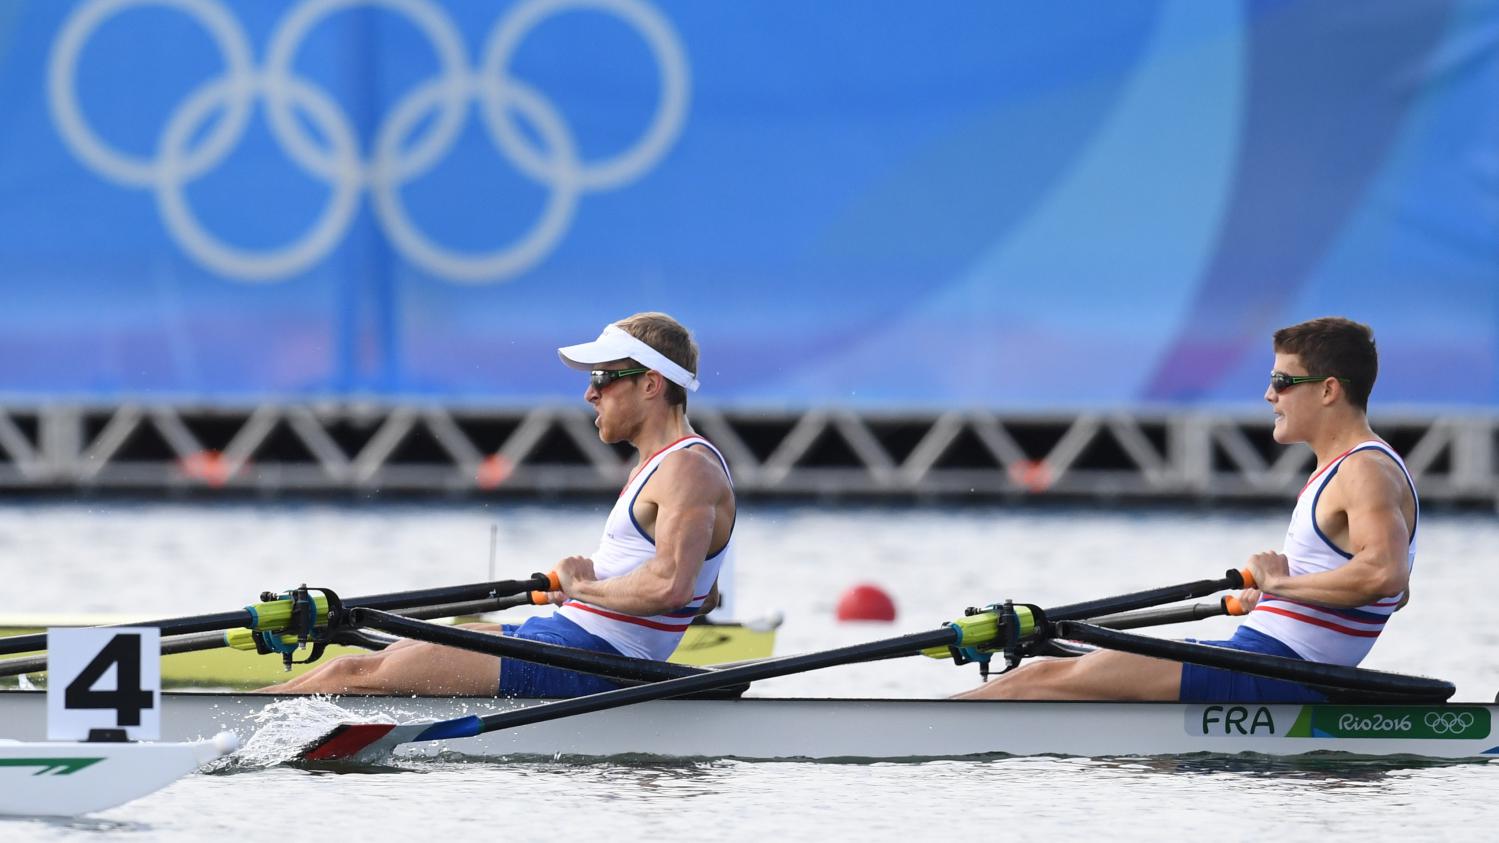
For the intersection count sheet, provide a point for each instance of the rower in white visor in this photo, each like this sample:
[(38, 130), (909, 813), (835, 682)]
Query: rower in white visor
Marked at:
[(657, 562)]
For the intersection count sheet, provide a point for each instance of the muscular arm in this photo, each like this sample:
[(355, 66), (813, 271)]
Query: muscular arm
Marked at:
[(1370, 490), (686, 491)]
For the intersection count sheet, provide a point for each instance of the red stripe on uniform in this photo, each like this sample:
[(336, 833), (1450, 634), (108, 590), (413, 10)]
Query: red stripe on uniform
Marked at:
[(1325, 624), (628, 618), (1345, 614)]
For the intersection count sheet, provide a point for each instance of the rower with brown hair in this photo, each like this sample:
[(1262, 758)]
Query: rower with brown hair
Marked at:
[(656, 565), (1346, 562)]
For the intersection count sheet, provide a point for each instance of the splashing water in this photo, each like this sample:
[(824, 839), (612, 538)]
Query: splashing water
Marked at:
[(285, 727)]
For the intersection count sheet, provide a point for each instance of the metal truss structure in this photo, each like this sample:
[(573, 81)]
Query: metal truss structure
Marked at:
[(555, 450)]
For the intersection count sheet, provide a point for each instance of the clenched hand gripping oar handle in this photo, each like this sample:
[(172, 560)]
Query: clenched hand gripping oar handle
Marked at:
[(276, 614)]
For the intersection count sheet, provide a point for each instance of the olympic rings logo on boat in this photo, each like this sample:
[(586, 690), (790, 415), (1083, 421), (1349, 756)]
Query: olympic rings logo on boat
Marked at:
[(188, 147), (1445, 722)]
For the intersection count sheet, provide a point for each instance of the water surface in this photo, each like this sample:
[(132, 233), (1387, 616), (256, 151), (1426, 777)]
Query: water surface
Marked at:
[(184, 559)]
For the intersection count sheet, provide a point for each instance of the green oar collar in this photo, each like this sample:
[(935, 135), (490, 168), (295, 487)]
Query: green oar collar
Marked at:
[(998, 628)]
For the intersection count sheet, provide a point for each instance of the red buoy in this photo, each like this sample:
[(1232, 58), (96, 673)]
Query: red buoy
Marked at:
[(866, 602)]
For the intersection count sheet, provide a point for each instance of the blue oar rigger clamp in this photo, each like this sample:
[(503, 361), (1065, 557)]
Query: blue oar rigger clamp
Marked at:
[(969, 653), (303, 622)]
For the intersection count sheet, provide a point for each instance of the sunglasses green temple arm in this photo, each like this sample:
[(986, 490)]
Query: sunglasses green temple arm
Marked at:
[(1292, 380), (600, 377)]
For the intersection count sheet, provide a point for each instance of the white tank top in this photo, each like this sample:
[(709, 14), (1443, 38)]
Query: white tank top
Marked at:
[(1321, 633), (625, 547)]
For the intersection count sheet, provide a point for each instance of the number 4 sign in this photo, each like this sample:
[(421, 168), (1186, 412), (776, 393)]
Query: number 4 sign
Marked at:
[(104, 679)]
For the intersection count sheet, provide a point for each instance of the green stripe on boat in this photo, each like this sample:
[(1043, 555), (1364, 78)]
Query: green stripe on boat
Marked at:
[(54, 766)]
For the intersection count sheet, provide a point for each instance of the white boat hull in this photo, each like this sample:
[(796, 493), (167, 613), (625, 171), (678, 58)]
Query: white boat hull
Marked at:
[(67, 778), (758, 728)]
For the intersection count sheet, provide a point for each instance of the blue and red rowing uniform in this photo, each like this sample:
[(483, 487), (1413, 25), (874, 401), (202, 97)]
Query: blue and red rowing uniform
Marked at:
[(624, 546), (1291, 628)]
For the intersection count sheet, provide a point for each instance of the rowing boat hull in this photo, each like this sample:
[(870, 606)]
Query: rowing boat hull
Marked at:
[(761, 728), (68, 778)]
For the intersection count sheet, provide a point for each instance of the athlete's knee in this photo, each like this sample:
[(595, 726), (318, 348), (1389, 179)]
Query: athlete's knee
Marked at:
[(357, 665), (1054, 679), (1053, 673), (1030, 681)]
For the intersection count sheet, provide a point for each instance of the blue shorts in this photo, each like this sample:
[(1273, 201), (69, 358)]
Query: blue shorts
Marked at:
[(528, 679), (1212, 684)]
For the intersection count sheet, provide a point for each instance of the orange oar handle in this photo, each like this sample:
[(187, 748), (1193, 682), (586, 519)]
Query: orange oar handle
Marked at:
[(1248, 577), (1233, 606), (541, 598)]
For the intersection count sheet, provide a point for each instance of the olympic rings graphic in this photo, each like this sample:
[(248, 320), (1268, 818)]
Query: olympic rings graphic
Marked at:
[(185, 151), (1443, 722)]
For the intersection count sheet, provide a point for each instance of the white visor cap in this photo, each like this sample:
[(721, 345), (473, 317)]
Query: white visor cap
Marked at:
[(616, 343)]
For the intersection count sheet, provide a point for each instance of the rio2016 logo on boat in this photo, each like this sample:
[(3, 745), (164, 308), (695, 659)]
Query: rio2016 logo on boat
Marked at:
[(191, 144), (1423, 722), (1375, 722)]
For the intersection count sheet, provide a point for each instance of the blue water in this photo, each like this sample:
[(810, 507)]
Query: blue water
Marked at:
[(177, 559)]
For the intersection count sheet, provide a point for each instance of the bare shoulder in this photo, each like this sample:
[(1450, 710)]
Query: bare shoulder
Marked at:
[(690, 473), (1371, 478)]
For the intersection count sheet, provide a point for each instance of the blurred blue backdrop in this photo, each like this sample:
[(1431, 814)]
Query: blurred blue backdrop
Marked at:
[(876, 204)]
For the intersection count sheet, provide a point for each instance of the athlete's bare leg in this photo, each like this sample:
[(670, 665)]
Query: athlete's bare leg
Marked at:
[(406, 667), (1100, 675)]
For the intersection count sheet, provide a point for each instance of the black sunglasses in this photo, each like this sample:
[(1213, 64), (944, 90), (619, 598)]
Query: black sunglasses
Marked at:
[(1280, 381), (600, 378)]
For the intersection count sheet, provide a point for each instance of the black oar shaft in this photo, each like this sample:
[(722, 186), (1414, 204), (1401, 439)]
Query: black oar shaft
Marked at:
[(467, 607), (176, 645), (569, 658), (244, 618), (1163, 617), (199, 641), (1144, 599), (904, 645), (451, 594), (25, 664), (1415, 688), (169, 646), (170, 626)]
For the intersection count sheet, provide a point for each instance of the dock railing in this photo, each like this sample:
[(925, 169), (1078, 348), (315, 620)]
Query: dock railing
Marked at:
[(418, 449)]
